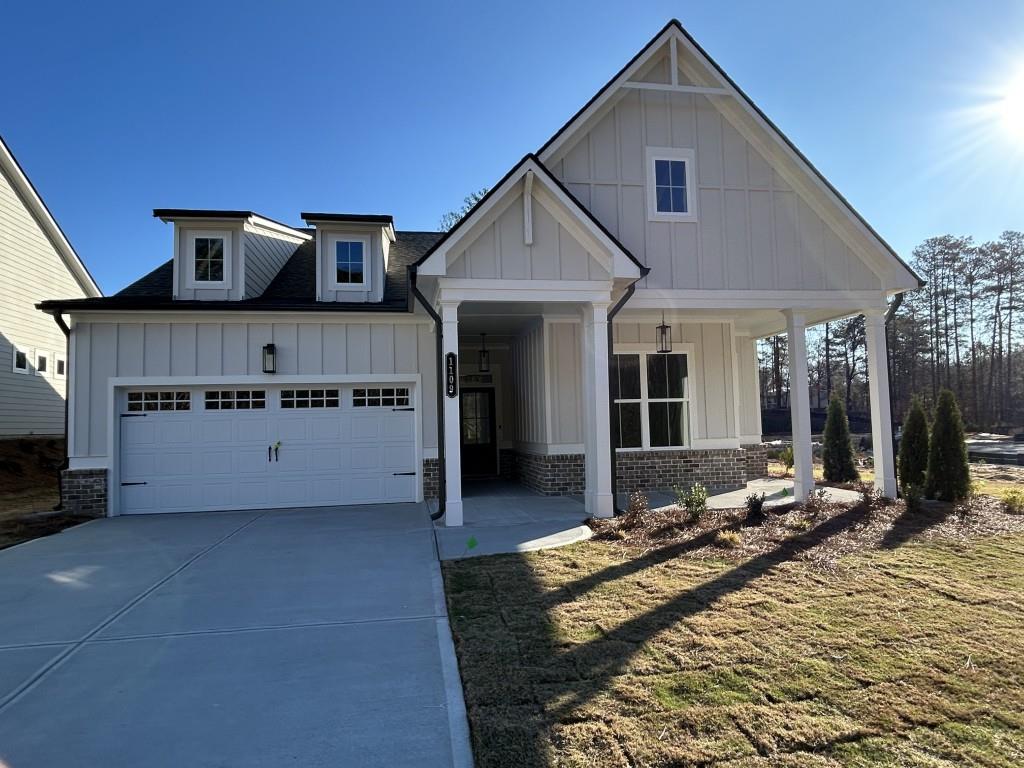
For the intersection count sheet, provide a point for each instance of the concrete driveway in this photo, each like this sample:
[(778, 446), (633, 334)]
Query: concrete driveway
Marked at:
[(302, 637)]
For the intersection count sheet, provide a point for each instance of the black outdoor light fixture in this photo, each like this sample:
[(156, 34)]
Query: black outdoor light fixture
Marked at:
[(485, 356), (269, 358), (664, 334)]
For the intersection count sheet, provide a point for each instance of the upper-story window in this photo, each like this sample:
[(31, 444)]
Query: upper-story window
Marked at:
[(209, 259), (351, 263), (669, 183)]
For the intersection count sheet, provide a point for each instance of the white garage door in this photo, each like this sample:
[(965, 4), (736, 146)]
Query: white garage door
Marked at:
[(200, 448)]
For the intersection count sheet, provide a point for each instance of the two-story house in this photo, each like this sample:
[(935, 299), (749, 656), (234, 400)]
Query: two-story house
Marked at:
[(590, 324)]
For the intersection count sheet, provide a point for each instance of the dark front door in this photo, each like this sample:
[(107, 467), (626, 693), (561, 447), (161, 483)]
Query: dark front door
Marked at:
[(479, 441)]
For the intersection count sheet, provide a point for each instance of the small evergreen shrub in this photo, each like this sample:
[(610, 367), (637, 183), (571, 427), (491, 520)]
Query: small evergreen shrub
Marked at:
[(755, 505), (694, 500), (817, 503), (837, 451), (913, 461), (948, 477), (1013, 502), (913, 496), (786, 457)]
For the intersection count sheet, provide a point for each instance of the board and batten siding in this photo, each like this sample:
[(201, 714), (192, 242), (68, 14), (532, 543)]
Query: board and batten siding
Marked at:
[(31, 270), (264, 254), (565, 382), (751, 229), (528, 423), (749, 395), (102, 350), (500, 251)]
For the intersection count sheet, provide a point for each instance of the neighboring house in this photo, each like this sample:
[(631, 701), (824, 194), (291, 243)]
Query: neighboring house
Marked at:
[(36, 262), (656, 236)]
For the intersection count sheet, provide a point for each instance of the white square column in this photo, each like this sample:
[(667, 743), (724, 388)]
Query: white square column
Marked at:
[(800, 404), (596, 418), (452, 417), (881, 409)]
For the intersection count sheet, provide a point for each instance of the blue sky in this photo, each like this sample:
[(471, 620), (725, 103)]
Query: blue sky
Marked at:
[(403, 108)]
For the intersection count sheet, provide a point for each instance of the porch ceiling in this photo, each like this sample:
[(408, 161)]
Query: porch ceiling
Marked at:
[(754, 322)]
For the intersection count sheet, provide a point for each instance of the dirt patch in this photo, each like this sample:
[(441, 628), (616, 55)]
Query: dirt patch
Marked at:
[(28, 489)]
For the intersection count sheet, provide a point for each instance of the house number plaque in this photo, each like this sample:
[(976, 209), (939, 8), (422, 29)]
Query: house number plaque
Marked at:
[(451, 374)]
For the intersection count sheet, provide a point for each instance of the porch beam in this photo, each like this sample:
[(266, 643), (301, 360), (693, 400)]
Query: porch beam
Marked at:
[(452, 428), (800, 404), (701, 89), (881, 408)]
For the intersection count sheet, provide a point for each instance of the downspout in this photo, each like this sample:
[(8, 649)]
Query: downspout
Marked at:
[(441, 488), (889, 317), (65, 463), (630, 290)]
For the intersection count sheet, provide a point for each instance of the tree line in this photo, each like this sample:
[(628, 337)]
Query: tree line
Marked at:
[(962, 331)]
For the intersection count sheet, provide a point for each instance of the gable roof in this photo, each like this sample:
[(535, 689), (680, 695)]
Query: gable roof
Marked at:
[(10, 167), (536, 165), (675, 29)]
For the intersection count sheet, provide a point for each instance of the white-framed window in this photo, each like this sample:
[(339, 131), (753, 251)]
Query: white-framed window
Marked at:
[(670, 182), (379, 397), (43, 363), (235, 399), (348, 262), (60, 366), (160, 401), (208, 256), (651, 394), (21, 360), (310, 398)]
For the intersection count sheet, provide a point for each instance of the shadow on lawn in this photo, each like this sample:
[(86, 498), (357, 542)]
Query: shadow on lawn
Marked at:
[(912, 523), (598, 661)]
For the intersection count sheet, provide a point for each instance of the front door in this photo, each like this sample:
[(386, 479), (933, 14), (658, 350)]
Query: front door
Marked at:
[(479, 441)]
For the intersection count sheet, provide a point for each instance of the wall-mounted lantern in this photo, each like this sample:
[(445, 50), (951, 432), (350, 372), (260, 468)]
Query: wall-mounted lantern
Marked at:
[(269, 358), (485, 356), (664, 336)]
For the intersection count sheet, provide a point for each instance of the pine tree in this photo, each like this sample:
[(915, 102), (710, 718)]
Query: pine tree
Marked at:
[(914, 447), (948, 477), (837, 452)]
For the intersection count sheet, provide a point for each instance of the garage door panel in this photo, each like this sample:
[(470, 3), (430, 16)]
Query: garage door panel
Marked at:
[(201, 460)]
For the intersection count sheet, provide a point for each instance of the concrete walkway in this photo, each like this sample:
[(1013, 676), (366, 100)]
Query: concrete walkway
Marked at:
[(777, 491), (311, 637)]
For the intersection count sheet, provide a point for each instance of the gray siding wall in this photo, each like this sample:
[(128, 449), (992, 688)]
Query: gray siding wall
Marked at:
[(375, 266), (528, 423), (501, 252), (31, 270), (265, 253), (565, 382), (751, 231), (749, 402), (102, 350)]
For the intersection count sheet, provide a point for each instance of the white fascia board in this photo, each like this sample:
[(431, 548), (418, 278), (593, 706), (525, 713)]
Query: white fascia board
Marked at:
[(248, 316), (32, 200), (258, 224), (584, 291)]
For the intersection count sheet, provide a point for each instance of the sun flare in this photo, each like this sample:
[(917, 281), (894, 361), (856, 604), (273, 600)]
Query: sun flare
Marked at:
[(1011, 107)]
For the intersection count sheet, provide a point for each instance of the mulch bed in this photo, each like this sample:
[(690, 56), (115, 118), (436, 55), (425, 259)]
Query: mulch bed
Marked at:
[(20, 529), (818, 532)]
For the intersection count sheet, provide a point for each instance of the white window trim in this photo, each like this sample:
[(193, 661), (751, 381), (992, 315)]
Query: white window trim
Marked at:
[(671, 153), (645, 417), (60, 358), (49, 363), (190, 258), (30, 357), (332, 262)]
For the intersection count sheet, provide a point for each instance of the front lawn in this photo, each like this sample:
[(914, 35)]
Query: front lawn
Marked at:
[(904, 646)]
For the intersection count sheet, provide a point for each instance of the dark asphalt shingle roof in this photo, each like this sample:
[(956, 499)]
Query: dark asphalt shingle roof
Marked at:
[(293, 287)]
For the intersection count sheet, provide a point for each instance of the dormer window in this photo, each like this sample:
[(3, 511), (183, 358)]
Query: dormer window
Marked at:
[(670, 180), (209, 259), (351, 255)]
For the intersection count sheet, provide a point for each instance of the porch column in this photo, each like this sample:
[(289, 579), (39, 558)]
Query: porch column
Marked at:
[(800, 404), (881, 409), (596, 420), (452, 425)]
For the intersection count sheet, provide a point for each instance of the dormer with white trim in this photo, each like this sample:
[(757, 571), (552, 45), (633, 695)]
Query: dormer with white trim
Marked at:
[(351, 255), (227, 255)]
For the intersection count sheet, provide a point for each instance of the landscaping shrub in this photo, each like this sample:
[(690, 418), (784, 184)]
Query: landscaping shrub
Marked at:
[(755, 505), (1013, 501), (694, 501), (948, 477), (636, 510), (913, 495), (837, 451), (913, 462), (728, 539), (786, 457), (816, 503)]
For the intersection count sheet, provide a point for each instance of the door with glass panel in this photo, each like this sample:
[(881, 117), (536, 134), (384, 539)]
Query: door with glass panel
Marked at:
[(479, 441)]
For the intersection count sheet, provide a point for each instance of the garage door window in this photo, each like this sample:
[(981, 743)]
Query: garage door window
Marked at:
[(159, 401), (235, 400), (309, 398), (380, 396)]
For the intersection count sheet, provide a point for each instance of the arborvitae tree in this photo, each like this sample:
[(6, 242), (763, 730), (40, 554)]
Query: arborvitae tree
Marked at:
[(837, 452), (948, 477), (914, 447)]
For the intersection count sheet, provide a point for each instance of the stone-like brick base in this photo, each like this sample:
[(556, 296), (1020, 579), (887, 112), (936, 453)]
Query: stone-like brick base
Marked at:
[(720, 469), (431, 478), (757, 460), (553, 475), (84, 491)]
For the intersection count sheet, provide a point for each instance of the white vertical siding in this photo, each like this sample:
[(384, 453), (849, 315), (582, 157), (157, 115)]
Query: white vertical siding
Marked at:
[(529, 424), (31, 271)]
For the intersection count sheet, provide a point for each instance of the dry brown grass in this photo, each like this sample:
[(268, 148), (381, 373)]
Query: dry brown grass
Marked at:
[(909, 653)]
